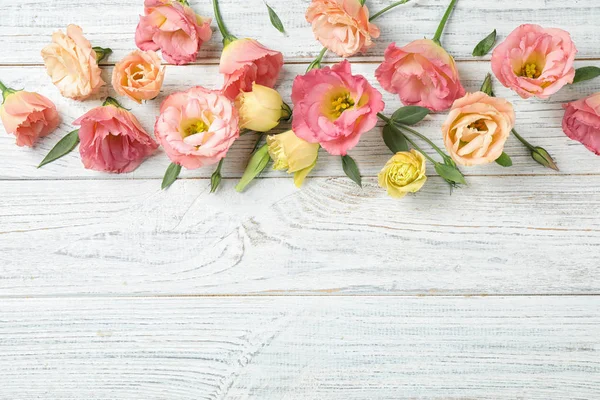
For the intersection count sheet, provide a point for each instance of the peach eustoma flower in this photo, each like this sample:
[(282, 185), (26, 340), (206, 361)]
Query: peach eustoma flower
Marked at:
[(174, 28), (342, 26), (477, 128), (72, 64), (404, 173), (582, 122), (197, 127), (334, 108), (244, 62), (534, 61), (261, 109), (422, 73), (112, 139), (139, 76), (27, 115)]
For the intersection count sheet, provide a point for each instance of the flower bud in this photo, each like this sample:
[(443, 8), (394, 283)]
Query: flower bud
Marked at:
[(293, 154), (541, 156), (261, 109), (403, 173)]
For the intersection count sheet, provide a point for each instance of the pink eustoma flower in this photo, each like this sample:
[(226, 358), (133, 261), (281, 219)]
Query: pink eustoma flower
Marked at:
[(244, 62), (334, 108), (534, 61), (112, 139), (197, 127), (422, 74), (173, 28), (582, 122), (28, 116)]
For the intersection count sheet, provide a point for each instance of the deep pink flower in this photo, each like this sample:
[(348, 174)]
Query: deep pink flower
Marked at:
[(582, 122), (173, 28), (245, 61), (534, 61), (112, 140), (28, 116), (197, 127), (422, 73), (334, 108)]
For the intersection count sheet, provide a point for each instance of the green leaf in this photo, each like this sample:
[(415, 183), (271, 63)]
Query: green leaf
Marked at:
[(410, 115), (62, 148), (351, 169), (275, 21), (171, 175), (258, 162), (394, 139), (504, 160), (215, 179), (485, 45), (101, 53), (362, 2), (586, 73), (450, 174)]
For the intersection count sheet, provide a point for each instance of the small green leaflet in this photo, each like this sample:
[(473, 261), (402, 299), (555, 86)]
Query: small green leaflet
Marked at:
[(351, 169), (62, 148), (258, 162), (394, 139), (450, 174), (410, 115), (215, 179), (486, 87), (171, 175), (362, 2), (586, 73), (485, 45), (275, 21), (504, 160)]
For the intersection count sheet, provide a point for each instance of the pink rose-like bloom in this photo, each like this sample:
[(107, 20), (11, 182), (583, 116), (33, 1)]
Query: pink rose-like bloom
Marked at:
[(582, 122), (334, 108), (28, 116), (245, 61), (342, 25), (112, 140), (477, 128), (173, 28), (71, 63), (139, 76), (197, 127), (534, 61), (422, 74)]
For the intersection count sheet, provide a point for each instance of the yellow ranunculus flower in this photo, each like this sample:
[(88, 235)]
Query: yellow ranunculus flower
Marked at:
[(261, 109), (403, 173), (293, 154)]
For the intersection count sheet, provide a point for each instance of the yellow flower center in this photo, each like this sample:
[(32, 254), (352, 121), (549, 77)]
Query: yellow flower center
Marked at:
[(403, 174), (531, 70), (195, 127), (338, 103), (478, 125)]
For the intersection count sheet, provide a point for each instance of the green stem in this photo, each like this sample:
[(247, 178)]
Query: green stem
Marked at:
[(227, 36), (6, 91), (522, 140), (388, 8), (2, 87), (260, 138), (442, 25), (409, 140), (317, 63), (426, 139)]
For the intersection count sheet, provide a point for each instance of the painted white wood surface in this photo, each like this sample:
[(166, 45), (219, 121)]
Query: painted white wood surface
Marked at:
[(110, 288)]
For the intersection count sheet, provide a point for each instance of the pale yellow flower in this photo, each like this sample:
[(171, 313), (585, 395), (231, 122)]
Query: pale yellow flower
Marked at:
[(403, 173), (293, 154), (261, 109)]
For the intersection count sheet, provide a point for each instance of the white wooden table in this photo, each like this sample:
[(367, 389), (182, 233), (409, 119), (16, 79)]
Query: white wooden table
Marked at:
[(113, 289)]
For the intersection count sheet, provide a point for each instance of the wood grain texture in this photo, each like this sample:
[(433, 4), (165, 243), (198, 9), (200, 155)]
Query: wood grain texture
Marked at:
[(301, 348), (537, 235), (27, 25), (539, 121)]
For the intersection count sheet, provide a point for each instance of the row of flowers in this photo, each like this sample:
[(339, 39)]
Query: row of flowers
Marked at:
[(332, 108)]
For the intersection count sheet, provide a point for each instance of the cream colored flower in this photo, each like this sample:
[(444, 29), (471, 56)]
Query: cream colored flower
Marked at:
[(403, 173), (71, 63), (477, 128), (261, 109), (293, 154)]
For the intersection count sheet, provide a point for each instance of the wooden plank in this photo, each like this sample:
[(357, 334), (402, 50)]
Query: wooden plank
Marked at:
[(539, 121), (301, 348), (500, 235), (28, 24)]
